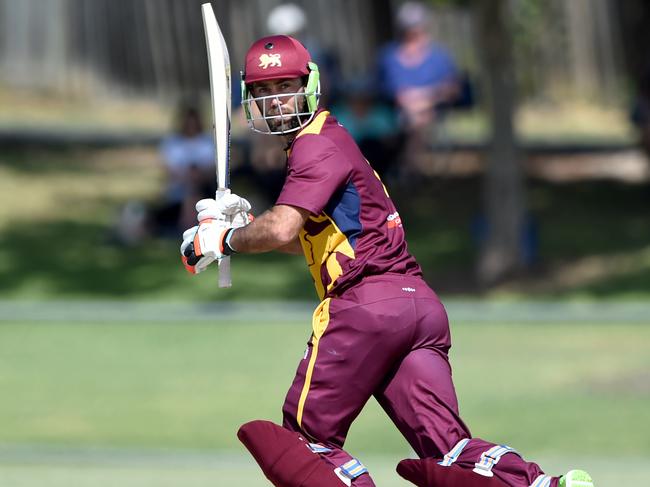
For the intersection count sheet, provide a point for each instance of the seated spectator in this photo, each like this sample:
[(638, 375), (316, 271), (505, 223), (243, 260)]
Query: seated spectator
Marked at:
[(419, 78), (188, 156), (417, 74)]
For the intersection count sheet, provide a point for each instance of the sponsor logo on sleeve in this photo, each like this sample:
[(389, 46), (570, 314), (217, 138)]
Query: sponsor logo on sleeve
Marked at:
[(393, 220)]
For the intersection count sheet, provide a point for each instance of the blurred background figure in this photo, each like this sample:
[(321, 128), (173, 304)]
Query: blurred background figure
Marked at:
[(419, 78), (187, 155), (290, 19), (415, 72)]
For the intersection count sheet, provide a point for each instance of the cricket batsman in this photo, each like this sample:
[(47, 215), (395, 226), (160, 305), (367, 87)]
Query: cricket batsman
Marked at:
[(379, 330)]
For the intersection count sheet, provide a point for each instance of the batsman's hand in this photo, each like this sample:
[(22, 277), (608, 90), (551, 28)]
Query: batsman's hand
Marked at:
[(230, 207), (203, 244)]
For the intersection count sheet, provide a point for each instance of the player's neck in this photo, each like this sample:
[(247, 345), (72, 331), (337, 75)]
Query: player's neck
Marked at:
[(289, 138)]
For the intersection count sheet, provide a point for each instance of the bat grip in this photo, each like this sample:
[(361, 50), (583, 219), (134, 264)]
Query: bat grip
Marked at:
[(224, 272), (224, 263)]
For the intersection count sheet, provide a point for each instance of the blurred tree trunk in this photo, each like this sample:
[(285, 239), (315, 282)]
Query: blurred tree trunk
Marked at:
[(382, 17), (503, 186), (634, 19)]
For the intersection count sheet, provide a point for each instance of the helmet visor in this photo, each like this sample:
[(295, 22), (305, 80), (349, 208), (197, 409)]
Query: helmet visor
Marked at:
[(281, 113)]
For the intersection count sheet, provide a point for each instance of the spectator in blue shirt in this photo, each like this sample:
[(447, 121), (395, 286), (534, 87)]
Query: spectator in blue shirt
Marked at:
[(417, 74)]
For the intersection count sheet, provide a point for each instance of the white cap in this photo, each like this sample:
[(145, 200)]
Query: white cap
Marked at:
[(286, 19)]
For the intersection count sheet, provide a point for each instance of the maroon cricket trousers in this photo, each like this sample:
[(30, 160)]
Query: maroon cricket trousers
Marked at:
[(389, 337)]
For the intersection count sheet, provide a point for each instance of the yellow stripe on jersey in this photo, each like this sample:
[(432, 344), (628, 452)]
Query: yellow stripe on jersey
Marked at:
[(319, 324), (315, 126), (377, 176), (322, 248)]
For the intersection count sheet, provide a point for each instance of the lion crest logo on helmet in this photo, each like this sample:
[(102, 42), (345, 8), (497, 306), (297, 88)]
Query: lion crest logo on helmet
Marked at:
[(272, 60)]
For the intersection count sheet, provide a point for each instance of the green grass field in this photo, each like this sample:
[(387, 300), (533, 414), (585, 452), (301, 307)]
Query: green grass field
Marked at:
[(141, 403)]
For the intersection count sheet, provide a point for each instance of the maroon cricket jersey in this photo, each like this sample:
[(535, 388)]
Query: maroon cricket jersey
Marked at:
[(354, 229)]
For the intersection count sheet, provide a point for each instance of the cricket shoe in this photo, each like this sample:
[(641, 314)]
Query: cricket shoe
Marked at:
[(576, 478)]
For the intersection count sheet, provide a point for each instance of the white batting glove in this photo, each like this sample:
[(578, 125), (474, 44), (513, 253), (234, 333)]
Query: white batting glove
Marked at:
[(229, 207), (203, 244)]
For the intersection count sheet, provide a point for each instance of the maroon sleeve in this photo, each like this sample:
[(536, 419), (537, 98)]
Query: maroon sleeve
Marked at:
[(316, 169)]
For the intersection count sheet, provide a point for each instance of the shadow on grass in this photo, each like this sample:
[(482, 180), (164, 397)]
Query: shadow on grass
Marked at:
[(71, 258), (634, 285), (42, 162), (590, 218), (603, 219), (68, 259)]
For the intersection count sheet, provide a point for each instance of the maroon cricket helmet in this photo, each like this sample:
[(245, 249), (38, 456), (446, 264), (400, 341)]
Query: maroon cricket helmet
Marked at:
[(276, 57)]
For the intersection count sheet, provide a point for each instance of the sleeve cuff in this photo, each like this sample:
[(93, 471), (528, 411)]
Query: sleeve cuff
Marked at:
[(313, 209)]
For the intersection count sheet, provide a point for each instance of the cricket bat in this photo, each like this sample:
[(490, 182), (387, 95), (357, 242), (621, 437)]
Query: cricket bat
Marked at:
[(219, 68)]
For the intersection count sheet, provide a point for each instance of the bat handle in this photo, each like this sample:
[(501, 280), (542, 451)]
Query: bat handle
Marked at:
[(224, 272), (224, 263)]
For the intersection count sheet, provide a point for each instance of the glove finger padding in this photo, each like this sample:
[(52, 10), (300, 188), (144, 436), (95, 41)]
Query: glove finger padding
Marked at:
[(240, 219), (232, 203), (193, 263), (203, 264), (229, 204), (188, 236), (208, 209), (202, 245)]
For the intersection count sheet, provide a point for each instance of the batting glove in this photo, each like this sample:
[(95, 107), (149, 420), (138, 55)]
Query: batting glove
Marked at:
[(230, 207), (205, 243)]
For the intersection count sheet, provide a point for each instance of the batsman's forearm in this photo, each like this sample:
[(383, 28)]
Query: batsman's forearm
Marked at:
[(267, 232), (294, 248)]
